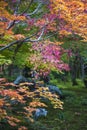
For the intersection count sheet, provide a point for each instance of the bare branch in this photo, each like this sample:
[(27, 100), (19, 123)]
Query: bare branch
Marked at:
[(9, 45), (50, 35), (10, 25), (35, 11), (16, 49), (38, 39), (27, 39)]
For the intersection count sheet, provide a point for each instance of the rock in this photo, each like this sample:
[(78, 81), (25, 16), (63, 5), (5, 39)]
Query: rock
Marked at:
[(25, 82), (40, 112), (55, 89), (20, 79)]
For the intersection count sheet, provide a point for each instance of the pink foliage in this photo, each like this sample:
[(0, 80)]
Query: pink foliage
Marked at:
[(51, 53)]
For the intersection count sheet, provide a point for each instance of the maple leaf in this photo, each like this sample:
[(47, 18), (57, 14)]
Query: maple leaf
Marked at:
[(37, 104), (1, 102), (19, 36)]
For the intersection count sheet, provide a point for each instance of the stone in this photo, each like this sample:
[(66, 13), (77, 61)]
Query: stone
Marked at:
[(40, 112), (20, 79), (55, 89)]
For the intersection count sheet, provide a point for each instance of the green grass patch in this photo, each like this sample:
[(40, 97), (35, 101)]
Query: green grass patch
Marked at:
[(74, 113)]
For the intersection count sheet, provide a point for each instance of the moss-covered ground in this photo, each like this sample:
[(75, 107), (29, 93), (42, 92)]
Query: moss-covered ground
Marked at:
[(74, 113)]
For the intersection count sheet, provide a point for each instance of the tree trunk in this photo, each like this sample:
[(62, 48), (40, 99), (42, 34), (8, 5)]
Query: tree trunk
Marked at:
[(10, 70)]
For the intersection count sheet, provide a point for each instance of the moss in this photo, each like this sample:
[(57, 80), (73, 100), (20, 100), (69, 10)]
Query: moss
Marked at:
[(73, 116)]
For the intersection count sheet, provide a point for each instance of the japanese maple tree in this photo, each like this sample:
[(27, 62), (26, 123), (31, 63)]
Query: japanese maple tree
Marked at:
[(19, 99), (11, 32), (71, 16)]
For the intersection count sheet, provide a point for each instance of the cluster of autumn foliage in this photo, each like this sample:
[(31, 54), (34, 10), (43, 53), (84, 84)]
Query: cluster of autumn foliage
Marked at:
[(72, 16), (45, 25), (20, 100)]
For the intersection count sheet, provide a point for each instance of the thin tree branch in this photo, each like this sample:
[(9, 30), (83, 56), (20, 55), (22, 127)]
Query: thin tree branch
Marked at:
[(50, 35), (27, 7), (9, 45), (38, 39), (27, 39), (16, 49), (10, 25), (35, 11)]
